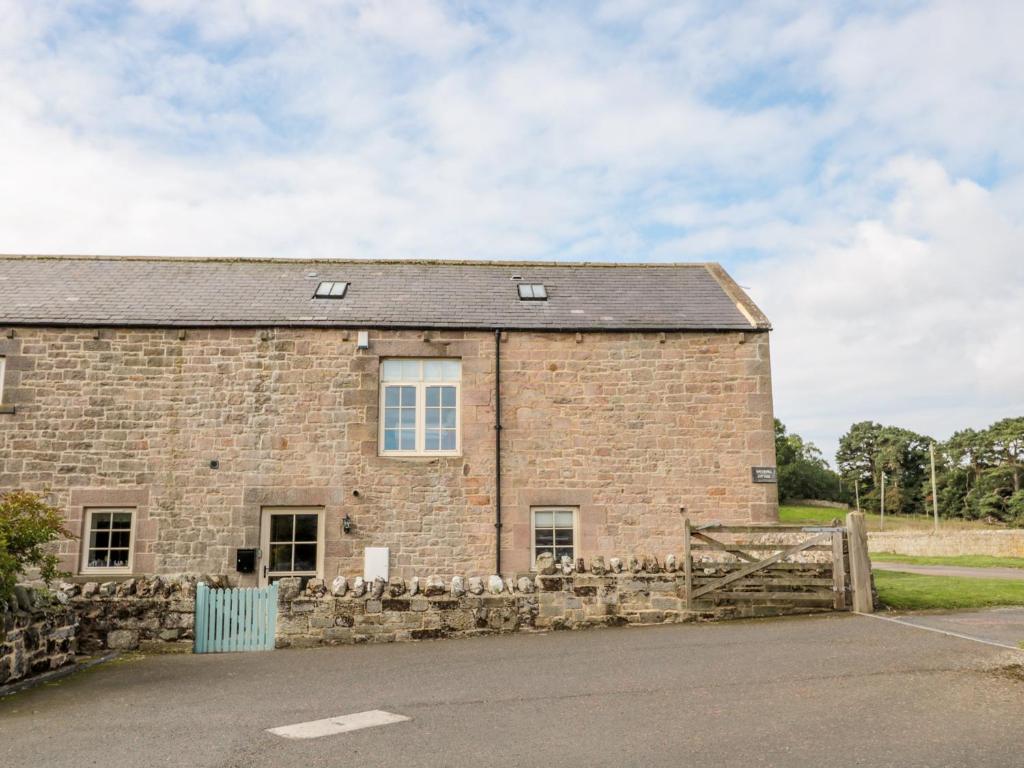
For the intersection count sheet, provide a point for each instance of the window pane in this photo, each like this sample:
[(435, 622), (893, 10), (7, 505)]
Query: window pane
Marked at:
[(539, 292), (433, 397), (305, 527), (410, 370), (409, 418), (407, 440), (542, 518), (447, 417), (448, 397), (391, 370), (391, 396), (452, 370), (563, 536), (122, 519), (433, 370), (281, 527), (561, 552), (280, 557), (101, 520), (408, 396), (120, 539), (322, 289), (99, 539), (98, 558), (448, 440), (544, 537), (119, 558), (305, 557), (390, 439), (432, 440), (390, 418), (563, 518), (338, 289), (432, 416)]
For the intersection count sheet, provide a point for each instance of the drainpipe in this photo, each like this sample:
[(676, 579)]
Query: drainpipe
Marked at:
[(497, 451)]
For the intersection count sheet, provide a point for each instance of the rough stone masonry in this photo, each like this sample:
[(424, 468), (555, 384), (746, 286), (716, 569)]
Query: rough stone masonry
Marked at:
[(199, 430)]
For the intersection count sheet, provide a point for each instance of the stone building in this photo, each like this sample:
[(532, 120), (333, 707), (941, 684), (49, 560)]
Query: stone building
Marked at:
[(187, 411)]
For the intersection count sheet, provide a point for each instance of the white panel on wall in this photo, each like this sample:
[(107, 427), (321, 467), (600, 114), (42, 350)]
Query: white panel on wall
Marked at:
[(375, 563)]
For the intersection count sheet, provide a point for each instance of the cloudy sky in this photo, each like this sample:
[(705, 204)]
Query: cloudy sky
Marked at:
[(858, 167)]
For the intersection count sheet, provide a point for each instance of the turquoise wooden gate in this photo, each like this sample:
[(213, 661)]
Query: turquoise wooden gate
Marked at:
[(235, 619)]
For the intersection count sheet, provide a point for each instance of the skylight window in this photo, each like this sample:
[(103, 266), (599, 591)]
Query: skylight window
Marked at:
[(330, 290), (532, 292)]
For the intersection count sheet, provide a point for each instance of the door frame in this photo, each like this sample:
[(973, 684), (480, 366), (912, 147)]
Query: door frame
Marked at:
[(266, 513)]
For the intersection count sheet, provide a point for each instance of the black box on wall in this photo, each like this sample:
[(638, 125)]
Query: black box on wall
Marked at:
[(245, 560)]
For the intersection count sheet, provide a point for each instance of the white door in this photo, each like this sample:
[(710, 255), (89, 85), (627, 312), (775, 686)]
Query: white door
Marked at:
[(291, 543)]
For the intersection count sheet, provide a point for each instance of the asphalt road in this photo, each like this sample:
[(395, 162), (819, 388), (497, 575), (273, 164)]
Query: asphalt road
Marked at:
[(995, 625), (1010, 574), (837, 690)]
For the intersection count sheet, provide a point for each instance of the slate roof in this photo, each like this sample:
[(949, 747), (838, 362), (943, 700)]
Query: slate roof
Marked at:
[(131, 291)]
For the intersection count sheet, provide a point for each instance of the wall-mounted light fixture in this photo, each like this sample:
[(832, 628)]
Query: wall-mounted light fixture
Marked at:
[(346, 524), (363, 340)]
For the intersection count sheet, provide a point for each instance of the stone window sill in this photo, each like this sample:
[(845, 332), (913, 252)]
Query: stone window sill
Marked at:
[(6, 408)]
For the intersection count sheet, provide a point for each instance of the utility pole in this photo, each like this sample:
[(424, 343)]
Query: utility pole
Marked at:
[(856, 491), (881, 525), (935, 493)]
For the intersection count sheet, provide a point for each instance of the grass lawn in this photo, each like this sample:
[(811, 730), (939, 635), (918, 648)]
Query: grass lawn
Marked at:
[(967, 561), (825, 515), (910, 592)]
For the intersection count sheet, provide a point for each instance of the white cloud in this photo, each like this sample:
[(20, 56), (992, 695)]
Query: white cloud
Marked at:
[(914, 318), (859, 170)]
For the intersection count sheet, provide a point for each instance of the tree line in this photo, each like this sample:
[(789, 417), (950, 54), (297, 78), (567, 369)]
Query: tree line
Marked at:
[(979, 473)]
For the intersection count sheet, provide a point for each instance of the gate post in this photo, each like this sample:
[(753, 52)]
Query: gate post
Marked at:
[(860, 563)]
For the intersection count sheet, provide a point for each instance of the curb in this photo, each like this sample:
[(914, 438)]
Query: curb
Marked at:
[(55, 674)]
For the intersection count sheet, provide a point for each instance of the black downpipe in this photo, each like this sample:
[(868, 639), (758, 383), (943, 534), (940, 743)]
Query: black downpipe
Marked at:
[(497, 451)]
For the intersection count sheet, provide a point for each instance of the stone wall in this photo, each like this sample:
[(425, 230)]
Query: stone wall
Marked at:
[(635, 592), (36, 637), (631, 428), (155, 614), (998, 543)]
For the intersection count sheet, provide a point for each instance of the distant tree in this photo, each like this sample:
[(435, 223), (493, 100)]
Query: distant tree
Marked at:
[(979, 473), (803, 472), (868, 450)]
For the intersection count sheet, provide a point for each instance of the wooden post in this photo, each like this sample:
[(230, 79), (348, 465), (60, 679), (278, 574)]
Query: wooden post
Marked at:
[(688, 563), (860, 563), (935, 492), (838, 571)]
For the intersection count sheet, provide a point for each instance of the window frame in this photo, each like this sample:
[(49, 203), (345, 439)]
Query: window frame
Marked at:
[(330, 291), (532, 292), (87, 529), (267, 513), (3, 373), (421, 384), (533, 530)]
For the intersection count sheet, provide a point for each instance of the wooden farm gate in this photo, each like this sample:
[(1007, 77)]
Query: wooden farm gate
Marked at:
[(772, 564), (235, 619)]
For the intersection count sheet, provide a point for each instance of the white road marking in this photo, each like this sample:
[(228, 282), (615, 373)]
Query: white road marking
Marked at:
[(936, 629), (331, 726)]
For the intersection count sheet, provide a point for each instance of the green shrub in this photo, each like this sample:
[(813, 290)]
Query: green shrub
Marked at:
[(27, 525)]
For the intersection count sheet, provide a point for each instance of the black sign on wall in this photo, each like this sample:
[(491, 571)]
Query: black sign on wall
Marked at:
[(764, 475)]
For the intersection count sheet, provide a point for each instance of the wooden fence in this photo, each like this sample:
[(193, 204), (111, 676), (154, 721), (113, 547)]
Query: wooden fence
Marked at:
[(230, 620), (810, 567)]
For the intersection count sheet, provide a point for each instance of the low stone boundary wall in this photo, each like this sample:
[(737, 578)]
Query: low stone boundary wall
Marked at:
[(840, 505), (419, 610), (155, 614), (998, 543), (36, 637)]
